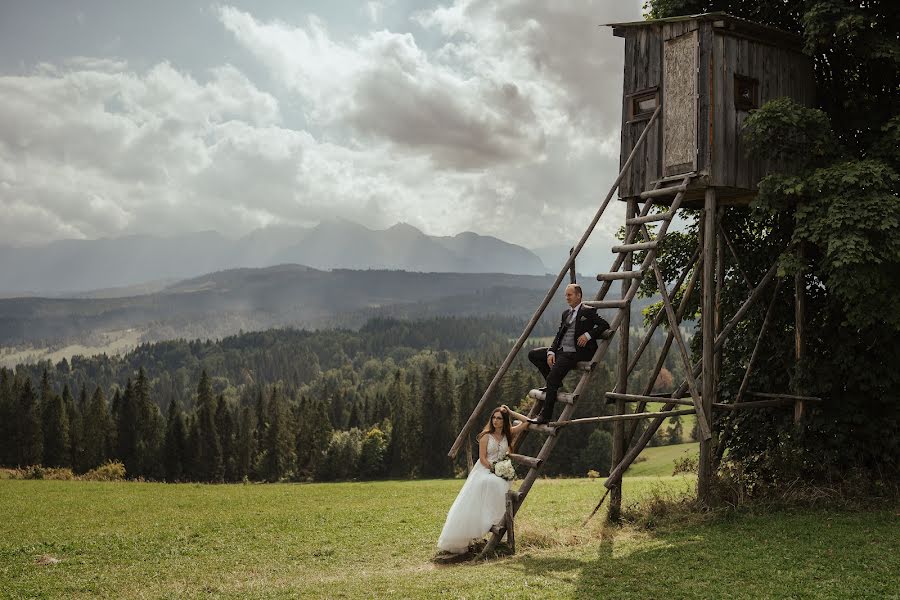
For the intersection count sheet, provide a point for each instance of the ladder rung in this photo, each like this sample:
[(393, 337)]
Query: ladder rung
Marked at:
[(620, 275), (635, 247), (664, 216), (607, 303), (497, 529), (560, 396), (678, 177), (529, 461), (666, 191), (542, 429)]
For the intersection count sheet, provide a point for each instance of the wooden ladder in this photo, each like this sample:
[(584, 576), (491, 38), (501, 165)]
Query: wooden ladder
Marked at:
[(634, 224)]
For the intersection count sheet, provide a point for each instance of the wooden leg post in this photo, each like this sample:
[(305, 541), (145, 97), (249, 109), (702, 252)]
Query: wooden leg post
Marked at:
[(799, 338), (618, 449), (708, 324), (510, 517)]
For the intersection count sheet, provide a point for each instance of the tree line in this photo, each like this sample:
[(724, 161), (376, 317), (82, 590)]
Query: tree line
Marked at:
[(382, 409)]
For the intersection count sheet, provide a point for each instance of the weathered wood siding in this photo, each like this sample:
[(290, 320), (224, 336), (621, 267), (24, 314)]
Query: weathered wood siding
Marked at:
[(643, 69), (779, 71)]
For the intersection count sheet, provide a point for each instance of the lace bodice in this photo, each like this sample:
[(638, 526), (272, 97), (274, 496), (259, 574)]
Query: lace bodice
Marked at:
[(496, 450)]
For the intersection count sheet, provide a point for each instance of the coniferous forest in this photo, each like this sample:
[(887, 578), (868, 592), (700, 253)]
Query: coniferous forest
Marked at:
[(288, 405)]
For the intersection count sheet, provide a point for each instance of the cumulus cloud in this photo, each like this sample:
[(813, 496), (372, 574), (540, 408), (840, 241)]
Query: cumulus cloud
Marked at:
[(503, 119)]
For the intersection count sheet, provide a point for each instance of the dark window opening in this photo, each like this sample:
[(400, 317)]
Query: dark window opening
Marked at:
[(641, 105), (746, 93)]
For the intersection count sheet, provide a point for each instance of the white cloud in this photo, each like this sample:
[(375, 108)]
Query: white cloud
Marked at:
[(504, 120)]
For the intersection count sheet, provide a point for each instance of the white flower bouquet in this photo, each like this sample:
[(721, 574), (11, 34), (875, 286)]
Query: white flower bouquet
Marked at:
[(504, 468)]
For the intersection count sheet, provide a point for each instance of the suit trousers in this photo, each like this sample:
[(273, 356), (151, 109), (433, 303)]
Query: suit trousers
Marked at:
[(565, 362)]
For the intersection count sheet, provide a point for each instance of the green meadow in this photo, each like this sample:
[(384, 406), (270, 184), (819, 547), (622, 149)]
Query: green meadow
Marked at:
[(71, 539)]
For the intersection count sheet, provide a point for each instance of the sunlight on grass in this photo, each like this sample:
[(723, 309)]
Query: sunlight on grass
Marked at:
[(377, 539)]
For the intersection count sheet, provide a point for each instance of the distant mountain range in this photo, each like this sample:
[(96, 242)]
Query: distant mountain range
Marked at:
[(227, 302), (73, 267)]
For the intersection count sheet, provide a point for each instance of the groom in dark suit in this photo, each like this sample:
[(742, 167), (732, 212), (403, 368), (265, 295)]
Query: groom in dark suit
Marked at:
[(576, 340)]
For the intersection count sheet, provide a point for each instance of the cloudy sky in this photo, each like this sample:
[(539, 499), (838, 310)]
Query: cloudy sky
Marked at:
[(494, 116)]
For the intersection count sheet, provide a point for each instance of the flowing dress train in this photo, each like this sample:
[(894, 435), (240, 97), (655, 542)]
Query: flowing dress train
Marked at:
[(481, 503)]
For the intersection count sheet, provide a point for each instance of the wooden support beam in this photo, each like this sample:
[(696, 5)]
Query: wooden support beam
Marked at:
[(510, 526), (756, 348), (619, 275), (648, 336), (618, 449), (703, 417), (644, 439), (626, 417), (663, 192), (529, 461), (606, 303), (708, 332), (635, 247), (529, 327), (664, 216), (660, 361), (788, 396), (799, 326), (645, 399), (572, 267)]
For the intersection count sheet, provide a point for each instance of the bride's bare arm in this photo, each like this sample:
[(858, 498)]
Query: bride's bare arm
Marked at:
[(482, 451), (523, 420)]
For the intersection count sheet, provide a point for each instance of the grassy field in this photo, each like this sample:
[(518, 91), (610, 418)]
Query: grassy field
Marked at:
[(357, 540), (660, 461)]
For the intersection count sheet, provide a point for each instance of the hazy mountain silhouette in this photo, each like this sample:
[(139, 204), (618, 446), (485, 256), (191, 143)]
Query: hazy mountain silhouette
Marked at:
[(81, 265)]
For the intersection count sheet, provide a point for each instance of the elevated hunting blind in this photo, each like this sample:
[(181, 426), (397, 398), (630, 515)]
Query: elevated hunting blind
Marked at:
[(706, 72), (690, 82)]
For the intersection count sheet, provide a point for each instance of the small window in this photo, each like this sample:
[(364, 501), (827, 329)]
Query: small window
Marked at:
[(746, 93), (642, 104)]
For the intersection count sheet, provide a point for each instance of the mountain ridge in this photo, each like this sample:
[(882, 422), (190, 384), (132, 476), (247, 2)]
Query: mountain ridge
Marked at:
[(80, 266)]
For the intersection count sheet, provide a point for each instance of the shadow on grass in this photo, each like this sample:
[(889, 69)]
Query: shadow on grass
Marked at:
[(798, 555)]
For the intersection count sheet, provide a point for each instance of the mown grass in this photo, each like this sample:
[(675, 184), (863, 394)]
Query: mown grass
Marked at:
[(356, 540), (660, 460)]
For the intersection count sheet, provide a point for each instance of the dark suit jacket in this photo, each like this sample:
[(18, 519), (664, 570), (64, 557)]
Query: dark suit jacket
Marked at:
[(587, 321)]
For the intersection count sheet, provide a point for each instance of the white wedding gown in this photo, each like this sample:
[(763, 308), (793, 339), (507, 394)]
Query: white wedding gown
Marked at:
[(481, 503)]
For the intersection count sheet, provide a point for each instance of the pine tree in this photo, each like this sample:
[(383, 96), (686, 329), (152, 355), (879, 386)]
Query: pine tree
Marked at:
[(127, 428), (176, 441), (226, 428), (29, 436), (209, 462), (246, 452), (280, 456), (57, 450), (98, 432), (8, 415), (313, 434), (75, 414)]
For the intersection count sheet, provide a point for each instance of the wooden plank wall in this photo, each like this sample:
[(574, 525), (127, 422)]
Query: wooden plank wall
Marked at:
[(780, 72), (643, 69)]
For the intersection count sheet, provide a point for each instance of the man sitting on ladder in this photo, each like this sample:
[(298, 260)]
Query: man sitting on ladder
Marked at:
[(576, 340)]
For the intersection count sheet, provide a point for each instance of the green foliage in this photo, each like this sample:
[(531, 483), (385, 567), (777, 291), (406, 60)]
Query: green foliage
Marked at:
[(833, 216), (597, 455), (108, 471)]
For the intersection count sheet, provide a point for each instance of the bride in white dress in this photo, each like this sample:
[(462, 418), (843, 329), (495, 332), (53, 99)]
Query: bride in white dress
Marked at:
[(482, 500)]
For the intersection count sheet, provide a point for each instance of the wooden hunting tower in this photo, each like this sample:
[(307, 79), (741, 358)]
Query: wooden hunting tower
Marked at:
[(689, 84), (707, 72)]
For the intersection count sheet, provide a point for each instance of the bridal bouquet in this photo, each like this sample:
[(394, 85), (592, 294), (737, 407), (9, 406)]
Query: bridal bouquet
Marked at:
[(504, 468)]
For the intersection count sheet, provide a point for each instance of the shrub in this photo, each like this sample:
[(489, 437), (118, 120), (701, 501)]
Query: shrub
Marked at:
[(109, 471)]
